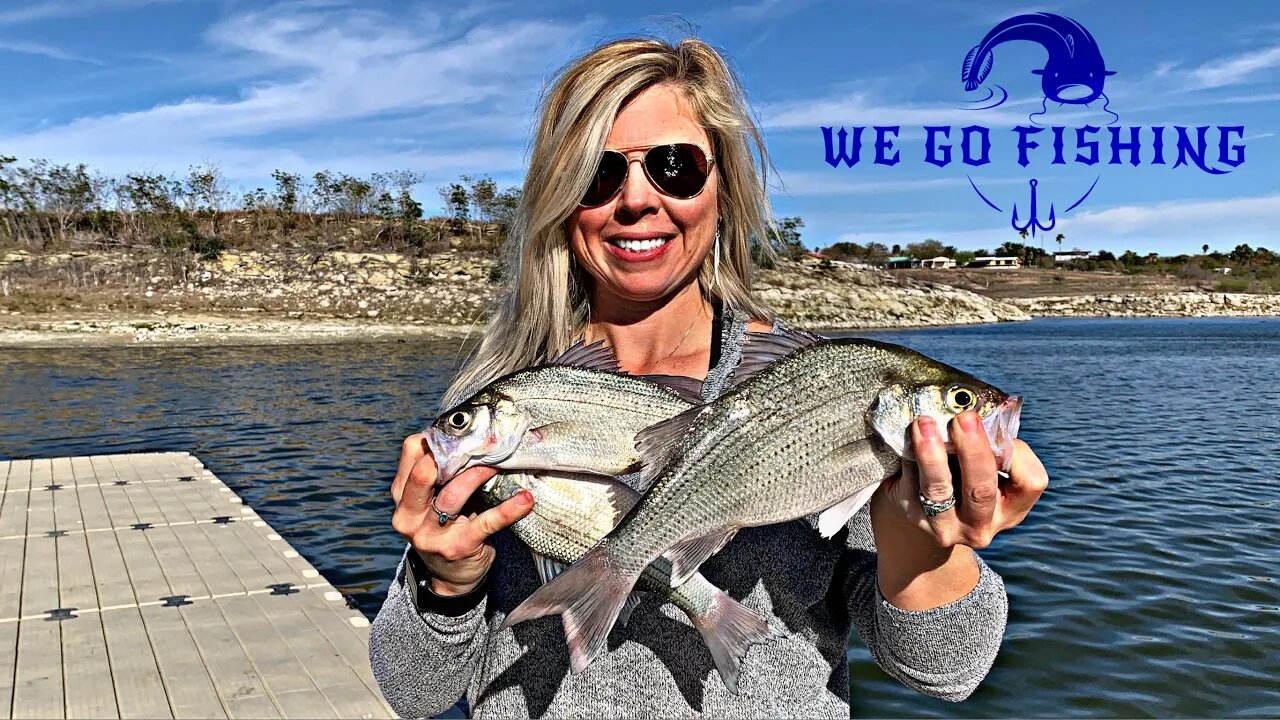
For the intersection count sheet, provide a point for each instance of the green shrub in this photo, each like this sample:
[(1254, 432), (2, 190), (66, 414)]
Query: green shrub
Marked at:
[(206, 246), (1234, 285)]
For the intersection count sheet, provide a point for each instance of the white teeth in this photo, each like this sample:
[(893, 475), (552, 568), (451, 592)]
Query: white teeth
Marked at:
[(640, 245)]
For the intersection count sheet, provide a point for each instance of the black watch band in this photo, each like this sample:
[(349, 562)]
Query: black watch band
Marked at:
[(417, 580)]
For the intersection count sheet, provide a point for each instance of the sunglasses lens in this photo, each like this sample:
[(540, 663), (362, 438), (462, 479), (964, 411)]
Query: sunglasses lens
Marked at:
[(678, 170), (610, 174)]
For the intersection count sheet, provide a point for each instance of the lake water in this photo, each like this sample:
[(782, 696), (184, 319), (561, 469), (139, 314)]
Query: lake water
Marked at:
[(1146, 581)]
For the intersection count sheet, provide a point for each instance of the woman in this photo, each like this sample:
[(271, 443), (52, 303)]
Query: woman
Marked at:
[(639, 205)]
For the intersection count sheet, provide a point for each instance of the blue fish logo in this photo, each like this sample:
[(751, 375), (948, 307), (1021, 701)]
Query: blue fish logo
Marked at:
[(1074, 74)]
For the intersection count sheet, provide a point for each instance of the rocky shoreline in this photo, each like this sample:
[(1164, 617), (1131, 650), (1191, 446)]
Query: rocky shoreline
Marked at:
[(1134, 305), (115, 297)]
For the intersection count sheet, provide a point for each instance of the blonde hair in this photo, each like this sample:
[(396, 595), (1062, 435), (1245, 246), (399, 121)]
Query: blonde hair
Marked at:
[(547, 303)]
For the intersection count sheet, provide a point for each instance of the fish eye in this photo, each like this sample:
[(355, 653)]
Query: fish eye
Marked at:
[(458, 420), (961, 398)]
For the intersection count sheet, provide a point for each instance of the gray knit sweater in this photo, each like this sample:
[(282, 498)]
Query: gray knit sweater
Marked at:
[(813, 590)]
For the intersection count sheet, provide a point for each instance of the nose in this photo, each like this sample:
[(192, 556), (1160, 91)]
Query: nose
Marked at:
[(637, 197)]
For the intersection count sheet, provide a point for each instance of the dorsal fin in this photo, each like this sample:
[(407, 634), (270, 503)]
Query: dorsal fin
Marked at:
[(762, 349), (596, 356), (659, 443), (687, 388)]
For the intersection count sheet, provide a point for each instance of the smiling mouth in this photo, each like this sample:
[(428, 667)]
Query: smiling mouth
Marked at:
[(639, 246)]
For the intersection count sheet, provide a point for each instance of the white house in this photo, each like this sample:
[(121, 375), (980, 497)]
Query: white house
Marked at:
[(1069, 256), (995, 262), (938, 263)]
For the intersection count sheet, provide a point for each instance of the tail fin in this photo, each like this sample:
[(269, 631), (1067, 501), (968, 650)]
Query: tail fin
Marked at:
[(729, 629), (590, 595), (973, 77)]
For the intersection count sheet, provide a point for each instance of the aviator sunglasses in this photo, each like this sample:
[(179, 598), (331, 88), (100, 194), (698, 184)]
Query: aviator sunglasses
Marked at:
[(678, 170)]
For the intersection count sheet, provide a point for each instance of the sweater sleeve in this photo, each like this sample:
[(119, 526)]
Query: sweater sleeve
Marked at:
[(423, 662), (944, 652)]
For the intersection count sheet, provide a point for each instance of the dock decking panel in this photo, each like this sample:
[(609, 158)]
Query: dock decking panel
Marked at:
[(140, 585)]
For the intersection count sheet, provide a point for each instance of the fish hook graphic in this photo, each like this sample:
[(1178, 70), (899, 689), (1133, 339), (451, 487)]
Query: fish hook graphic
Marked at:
[(1033, 222)]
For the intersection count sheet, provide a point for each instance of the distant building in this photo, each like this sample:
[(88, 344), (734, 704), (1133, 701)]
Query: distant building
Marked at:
[(995, 262), (938, 263), (1222, 271), (1070, 256), (816, 254), (902, 263)]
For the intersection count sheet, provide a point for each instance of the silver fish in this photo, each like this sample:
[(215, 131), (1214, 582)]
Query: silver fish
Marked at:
[(816, 431), (572, 512), (578, 413)]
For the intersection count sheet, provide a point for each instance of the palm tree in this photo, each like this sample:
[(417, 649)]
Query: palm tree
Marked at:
[(1205, 248), (1060, 238), (1023, 233)]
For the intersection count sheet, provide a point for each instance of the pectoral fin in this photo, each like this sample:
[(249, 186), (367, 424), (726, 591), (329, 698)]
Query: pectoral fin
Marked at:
[(688, 555), (659, 443), (837, 516)]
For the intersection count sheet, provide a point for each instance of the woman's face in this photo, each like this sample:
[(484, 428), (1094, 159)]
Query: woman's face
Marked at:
[(600, 236)]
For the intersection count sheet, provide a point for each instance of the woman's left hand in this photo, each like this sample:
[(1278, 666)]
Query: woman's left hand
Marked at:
[(985, 503)]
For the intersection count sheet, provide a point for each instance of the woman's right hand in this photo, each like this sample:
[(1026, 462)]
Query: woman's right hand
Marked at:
[(456, 553)]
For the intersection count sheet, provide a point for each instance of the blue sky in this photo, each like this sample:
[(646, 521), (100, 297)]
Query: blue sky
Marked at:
[(448, 88)]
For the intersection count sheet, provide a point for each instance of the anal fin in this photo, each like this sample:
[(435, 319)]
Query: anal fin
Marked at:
[(548, 569)]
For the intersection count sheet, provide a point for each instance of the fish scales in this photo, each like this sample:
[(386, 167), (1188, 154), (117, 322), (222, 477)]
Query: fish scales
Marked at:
[(733, 467), (586, 420), (817, 430), (570, 515), (554, 417)]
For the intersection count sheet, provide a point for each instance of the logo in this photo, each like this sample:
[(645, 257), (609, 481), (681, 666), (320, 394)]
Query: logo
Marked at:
[(1074, 78), (1074, 74)]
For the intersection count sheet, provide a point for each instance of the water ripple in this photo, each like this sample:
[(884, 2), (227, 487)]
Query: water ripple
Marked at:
[(1144, 583)]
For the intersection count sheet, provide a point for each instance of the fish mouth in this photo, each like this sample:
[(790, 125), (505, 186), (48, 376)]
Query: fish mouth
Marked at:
[(1002, 429), (1074, 93), (448, 462)]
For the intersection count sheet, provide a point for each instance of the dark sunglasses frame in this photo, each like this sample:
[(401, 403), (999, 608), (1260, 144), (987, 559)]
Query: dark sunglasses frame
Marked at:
[(708, 158)]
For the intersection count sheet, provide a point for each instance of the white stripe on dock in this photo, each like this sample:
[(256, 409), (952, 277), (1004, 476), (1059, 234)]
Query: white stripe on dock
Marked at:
[(140, 586)]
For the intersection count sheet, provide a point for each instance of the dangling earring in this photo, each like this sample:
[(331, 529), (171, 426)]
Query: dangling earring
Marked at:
[(715, 262)]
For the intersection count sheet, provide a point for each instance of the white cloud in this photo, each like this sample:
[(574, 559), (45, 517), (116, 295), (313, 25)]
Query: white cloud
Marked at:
[(33, 48), (322, 70), (51, 9), (796, 183), (1236, 69), (1169, 227), (1174, 216), (860, 108)]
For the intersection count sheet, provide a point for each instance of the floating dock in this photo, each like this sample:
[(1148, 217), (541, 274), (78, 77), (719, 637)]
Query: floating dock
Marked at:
[(141, 586)]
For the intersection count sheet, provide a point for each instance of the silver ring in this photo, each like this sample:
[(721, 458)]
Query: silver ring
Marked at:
[(441, 515), (932, 509)]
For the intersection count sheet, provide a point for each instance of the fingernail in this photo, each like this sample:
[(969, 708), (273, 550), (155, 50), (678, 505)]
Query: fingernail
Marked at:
[(526, 497), (970, 421), (928, 427)]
